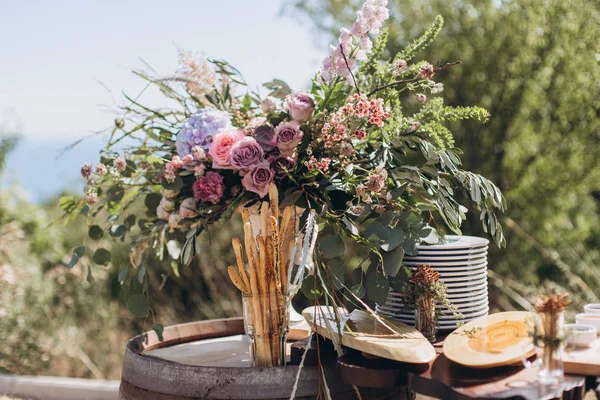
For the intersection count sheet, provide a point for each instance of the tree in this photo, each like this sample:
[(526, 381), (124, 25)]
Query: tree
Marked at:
[(536, 66)]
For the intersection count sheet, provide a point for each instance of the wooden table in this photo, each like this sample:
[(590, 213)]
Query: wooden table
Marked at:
[(210, 360), (445, 379)]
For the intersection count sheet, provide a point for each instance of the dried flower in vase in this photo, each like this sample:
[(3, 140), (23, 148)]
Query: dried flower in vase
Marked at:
[(548, 336), (424, 291)]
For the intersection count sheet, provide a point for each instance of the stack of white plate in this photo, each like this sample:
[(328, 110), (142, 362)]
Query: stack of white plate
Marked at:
[(462, 264)]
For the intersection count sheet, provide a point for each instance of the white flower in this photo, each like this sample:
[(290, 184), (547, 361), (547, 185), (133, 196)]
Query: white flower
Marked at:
[(269, 104)]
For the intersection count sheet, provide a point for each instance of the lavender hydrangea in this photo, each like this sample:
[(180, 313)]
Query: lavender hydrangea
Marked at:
[(199, 129)]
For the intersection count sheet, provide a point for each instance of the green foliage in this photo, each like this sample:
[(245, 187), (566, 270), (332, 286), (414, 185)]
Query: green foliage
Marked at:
[(420, 44), (534, 67)]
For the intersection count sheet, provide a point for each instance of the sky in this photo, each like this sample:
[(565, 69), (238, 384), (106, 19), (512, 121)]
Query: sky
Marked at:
[(60, 61)]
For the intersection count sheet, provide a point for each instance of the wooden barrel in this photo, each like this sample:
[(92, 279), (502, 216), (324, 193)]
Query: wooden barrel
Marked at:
[(148, 374)]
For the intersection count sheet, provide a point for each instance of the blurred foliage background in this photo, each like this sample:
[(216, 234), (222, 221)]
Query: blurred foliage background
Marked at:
[(535, 65)]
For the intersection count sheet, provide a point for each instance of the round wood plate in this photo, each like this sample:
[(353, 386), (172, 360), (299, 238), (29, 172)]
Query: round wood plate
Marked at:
[(491, 341)]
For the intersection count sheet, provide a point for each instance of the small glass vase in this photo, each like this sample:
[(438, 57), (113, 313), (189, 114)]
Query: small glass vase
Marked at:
[(267, 323), (549, 344), (425, 318)]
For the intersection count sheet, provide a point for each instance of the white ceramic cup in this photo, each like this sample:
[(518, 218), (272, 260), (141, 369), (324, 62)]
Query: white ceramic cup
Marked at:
[(580, 335), (589, 319), (592, 308)]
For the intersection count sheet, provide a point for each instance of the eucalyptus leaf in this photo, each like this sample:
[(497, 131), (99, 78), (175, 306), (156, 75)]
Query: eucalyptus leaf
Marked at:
[(79, 251), (123, 274), (90, 277), (358, 290), (102, 257), (158, 329), (377, 287), (138, 306), (336, 271), (392, 261), (396, 237), (377, 229), (95, 232), (141, 274), (74, 260), (332, 246), (117, 230), (311, 288)]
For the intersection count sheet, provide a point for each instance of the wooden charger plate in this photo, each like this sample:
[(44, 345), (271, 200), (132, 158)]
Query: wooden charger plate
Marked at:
[(364, 332), (492, 340)]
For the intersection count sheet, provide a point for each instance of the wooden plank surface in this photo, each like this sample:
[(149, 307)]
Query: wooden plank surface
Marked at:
[(365, 333), (491, 341), (450, 381), (583, 360)]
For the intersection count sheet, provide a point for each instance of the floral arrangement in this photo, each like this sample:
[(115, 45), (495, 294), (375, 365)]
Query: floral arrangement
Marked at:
[(369, 148)]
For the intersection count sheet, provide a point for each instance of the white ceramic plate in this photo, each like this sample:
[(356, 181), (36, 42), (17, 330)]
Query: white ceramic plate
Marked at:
[(439, 253), (442, 319), (451, 268), (482, 274), (467, 273), (456, 301), (442, 263), (464, 284), (425, 258), (468, 308), (457, 242), (452, 294)]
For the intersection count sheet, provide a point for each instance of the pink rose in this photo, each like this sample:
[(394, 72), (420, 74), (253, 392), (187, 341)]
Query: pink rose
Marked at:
[(245, 153), (287, 136), (220, 148), (209, 188), (300, 106), (187, 209), (259, 178)]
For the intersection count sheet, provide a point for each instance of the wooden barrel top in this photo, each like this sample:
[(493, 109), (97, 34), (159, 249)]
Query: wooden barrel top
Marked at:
[(209, 360)]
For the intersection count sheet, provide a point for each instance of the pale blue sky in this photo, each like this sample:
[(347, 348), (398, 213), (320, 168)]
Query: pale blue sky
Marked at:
[(52, 53)]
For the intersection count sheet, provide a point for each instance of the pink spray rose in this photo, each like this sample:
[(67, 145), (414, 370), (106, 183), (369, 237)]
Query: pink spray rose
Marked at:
[(287, 136), (86, 170), (259, 178), (245, 153), (220, 148), (209, 188), (120, 164), (101, 169), (91, 198), (187, 209), (300, 106)]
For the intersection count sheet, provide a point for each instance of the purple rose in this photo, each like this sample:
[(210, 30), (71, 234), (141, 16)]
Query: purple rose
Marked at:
[(264, 136), (259, 178), (245, 153), (281, 165), (287, 137), (300, 106)]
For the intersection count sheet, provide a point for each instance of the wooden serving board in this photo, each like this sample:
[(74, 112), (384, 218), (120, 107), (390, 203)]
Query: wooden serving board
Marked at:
[(365, 333), (491, 341), (584, 361)]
